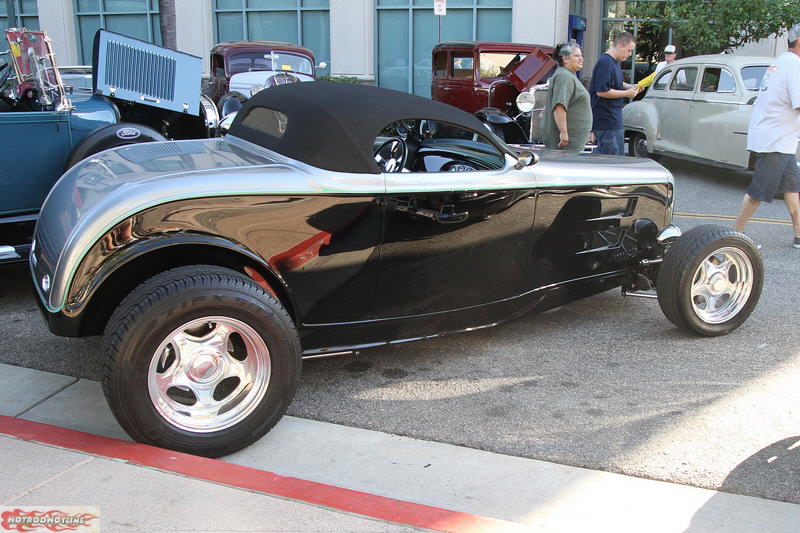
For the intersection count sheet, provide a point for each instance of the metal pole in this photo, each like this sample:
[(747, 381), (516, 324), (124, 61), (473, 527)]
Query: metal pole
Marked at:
[(440, 27)]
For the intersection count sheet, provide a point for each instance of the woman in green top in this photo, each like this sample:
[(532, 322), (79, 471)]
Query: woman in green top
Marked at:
[(567, 119)]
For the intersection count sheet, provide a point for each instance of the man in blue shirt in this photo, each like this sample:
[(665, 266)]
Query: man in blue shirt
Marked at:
[(607, 90)]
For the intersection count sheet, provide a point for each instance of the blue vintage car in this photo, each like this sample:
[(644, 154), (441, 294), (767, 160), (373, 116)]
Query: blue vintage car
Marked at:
[(141, 93)]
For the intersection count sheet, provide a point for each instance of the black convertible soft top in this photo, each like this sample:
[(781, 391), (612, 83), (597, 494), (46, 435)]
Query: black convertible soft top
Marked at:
[(333, 125)]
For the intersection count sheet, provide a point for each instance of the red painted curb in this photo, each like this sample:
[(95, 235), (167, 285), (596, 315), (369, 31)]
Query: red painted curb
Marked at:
[(351, 501)]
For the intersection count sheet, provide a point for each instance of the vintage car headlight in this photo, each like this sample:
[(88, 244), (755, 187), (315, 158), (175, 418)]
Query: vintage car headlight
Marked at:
[(255, 88), (526, 101)]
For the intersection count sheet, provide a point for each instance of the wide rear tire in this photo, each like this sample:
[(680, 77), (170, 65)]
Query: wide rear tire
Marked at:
[(200, 359), (710, 280)]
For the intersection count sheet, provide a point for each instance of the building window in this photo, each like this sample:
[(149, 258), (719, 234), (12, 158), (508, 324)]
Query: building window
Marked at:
[(407, 31), (303, 22), (651, 38), (25, 14), (134, 18)]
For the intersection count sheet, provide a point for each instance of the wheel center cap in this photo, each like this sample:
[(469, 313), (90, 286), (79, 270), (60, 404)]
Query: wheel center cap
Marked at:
[(204, 368), (718, 283)]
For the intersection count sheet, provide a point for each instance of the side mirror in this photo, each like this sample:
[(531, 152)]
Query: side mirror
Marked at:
[(525, 159), (225, 123)]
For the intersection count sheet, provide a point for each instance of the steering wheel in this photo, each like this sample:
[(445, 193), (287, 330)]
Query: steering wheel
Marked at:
[(391, 155)]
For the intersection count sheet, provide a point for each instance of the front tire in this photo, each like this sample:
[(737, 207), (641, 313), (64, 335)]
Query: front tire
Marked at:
[(710, 280), (201, 360), (637, 145)]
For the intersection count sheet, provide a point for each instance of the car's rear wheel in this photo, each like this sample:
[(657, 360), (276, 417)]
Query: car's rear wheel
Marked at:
[(710, 280), (200, 359)]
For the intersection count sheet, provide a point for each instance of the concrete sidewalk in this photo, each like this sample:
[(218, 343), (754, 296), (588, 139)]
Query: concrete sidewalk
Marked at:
[(311, 476)]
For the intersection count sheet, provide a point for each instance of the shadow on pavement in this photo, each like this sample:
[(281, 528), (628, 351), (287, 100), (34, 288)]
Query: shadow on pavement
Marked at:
[(768, 473)]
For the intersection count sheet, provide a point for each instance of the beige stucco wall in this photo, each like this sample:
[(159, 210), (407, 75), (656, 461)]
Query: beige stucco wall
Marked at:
[(56, 18), (195, 28), (352, 38), (771, 46), (540, 21)]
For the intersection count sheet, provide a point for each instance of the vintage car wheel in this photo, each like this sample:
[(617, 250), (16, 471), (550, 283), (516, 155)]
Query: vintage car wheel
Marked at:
[(112, 136), (200, 359), (710, 280), (637, 145)]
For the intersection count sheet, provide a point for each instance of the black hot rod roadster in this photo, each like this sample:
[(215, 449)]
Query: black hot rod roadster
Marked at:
[(314, 228)]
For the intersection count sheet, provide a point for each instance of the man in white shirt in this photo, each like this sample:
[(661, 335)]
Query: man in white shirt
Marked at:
[(773, 136), (669, 57)]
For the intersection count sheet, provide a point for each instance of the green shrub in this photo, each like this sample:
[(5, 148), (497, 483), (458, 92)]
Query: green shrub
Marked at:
[(339, 79)]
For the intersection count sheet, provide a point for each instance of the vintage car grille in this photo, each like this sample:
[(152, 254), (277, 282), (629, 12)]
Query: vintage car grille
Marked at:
[(140, 71)]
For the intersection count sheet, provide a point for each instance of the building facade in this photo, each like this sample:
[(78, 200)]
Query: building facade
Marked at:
[(387, 42)]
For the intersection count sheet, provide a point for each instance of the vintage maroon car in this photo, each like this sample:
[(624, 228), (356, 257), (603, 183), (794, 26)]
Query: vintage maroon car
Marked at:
[(480, 77), (473, 75), (234, 57)]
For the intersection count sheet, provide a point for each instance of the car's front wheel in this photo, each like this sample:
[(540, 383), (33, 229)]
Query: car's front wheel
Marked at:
[(710, 280), (637, 145), (200, 359)]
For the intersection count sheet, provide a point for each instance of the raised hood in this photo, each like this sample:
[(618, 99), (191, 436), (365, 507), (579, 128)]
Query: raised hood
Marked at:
[(531, 70), (145, 73)]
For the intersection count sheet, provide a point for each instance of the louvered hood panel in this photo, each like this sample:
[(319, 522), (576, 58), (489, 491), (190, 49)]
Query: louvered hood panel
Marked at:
[(137, 71)]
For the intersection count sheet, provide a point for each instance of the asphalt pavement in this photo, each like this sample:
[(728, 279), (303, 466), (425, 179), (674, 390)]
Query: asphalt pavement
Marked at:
[(606, 383)]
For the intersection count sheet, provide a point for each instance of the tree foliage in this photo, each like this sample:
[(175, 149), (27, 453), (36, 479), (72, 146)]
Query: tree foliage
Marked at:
[(713, 26)]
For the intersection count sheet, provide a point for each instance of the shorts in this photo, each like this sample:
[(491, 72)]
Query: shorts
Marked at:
[(774, 173)]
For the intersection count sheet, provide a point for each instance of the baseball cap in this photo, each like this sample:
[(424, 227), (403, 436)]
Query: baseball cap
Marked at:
[(794, 32), (669, 49)]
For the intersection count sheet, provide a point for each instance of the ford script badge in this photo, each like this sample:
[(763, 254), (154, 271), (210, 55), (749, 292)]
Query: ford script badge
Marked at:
[(128, 133)]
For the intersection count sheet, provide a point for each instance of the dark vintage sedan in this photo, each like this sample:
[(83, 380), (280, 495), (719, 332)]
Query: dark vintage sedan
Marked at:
[(212, 267)]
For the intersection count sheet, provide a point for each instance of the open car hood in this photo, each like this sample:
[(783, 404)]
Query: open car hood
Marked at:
[(137, 71), (531, 70)]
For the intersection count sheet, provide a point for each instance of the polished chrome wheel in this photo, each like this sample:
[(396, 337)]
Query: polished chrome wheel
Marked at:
[(710, 280), (722, 285), (209, 374)]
